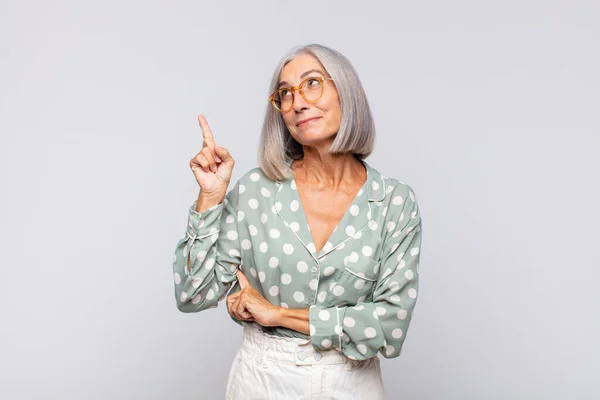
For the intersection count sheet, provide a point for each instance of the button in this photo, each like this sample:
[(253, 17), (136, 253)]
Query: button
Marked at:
[(314, 269), (318, 356), (302, 356)]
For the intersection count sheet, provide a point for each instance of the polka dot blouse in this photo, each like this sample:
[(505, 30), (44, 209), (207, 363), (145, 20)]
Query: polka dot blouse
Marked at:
[(360, 289)]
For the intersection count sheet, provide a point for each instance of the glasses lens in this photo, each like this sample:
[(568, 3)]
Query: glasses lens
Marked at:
[(283, 99), (312, 88)]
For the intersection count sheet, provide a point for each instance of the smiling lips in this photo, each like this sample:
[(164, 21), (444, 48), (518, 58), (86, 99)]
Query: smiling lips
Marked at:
[(306, 121)]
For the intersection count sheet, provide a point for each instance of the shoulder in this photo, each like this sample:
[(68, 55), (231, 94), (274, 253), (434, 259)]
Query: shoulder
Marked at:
[(400, 199), (254, 180)]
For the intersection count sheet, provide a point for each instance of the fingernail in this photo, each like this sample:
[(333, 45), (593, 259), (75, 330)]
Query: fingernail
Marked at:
[(218, 158)]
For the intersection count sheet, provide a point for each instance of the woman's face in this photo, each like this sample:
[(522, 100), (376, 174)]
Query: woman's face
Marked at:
[(311, 123)]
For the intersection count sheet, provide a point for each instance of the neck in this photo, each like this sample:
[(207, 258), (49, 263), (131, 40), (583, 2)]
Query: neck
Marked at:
[(328, 170)]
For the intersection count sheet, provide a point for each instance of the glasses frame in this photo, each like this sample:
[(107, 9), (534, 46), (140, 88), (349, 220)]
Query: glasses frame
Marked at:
[(299, 90)]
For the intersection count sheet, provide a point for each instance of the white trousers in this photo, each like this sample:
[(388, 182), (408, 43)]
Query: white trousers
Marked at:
[(269, 367)]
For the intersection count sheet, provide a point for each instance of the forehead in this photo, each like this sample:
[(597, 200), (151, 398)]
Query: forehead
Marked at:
[(300, 64)]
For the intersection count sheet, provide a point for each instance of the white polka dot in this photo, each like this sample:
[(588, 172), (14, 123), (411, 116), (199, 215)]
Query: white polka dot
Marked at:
[(350, 230), (338, 290), (295, 227), (389, 349), (274, 290), (242, 188), (232, 235), (353, 257), (284, 305), (359, 307), (362, 349), (380, 310), (360, 192), (196, 299), (328, 271), (311, 247), (286, 279), (265, 192), (414, 251), (210, 263), (201, 223), (312, 330), (314, 284), (201, 255), (326, 343), (288, 248), (375, 185), (384, 212), (389, 189), (177, 278), (337, 329), (394, 286), (409, 274), (278, 206), (354, 210), (321, 297), (390, 226), (229, 219), (253, 272), (397, 200), (367, 251), (254, 176), (233, 253), (252, 229), (262, 277), (349, 322), (240, 215), (359, 284), (274, 233), (401, 216), (263, 247), (397, 333), (327, 247), (253, 203), (370, 332), (263, 218), (246, 244), (183, 297), (402, 314), (294, 205), (273, 262), (302, 266), (412, 293), (395, 298), (299, 296), (324, 315), (372, 225), (210, 295)]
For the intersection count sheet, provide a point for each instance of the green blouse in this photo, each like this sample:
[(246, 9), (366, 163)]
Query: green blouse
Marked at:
[(360, 289)]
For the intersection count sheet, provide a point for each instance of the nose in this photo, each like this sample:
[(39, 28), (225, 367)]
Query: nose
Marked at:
[(299, 102)]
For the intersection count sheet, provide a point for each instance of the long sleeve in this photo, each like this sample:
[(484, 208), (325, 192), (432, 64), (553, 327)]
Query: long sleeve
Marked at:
[(212, 245), (361, 330)]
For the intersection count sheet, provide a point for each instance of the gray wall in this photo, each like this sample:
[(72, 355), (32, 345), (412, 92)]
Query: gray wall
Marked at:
[(488, 109)]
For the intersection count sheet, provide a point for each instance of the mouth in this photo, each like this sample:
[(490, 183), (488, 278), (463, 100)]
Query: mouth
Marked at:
[(306, 121)]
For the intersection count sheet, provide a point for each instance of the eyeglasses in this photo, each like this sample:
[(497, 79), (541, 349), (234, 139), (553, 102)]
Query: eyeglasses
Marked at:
[(311, 90)]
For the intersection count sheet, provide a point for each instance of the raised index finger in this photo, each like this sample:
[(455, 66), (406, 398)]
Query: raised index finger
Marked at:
[(206, 132)]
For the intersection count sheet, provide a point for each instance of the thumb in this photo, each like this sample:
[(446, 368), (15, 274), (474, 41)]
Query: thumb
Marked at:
[(223, 154)]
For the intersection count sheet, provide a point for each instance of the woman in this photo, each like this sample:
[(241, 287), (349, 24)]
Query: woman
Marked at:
[(321, 249)]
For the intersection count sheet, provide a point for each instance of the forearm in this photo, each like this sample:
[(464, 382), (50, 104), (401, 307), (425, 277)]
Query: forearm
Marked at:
[(295, 319)]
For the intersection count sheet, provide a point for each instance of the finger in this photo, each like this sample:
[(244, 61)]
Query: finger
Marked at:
[(208, 154), (242, 279), (207, 134), (203, 162), (240, 311)]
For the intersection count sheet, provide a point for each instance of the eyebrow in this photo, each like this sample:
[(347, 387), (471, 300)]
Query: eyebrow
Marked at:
[(305, 74)]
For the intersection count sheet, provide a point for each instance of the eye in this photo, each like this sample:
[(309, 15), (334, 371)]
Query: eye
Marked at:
[(283, 93), (313, 83)]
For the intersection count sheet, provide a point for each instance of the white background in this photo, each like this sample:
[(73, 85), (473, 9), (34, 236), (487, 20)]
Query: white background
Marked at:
[(488, 109)]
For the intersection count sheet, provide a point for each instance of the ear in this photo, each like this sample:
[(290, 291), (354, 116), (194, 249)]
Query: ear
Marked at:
[(244, 283)]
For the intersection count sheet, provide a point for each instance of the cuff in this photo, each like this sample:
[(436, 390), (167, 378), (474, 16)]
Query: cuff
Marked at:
[(205, 223), (325, 327)]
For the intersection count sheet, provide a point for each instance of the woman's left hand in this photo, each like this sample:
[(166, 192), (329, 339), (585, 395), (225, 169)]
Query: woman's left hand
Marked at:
[(249, 305)]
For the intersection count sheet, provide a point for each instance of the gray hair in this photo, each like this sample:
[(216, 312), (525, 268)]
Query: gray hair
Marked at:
[(356, 135)]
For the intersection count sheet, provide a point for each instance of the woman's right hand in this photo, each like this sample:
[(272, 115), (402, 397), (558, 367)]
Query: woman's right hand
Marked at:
[(212, 166)]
